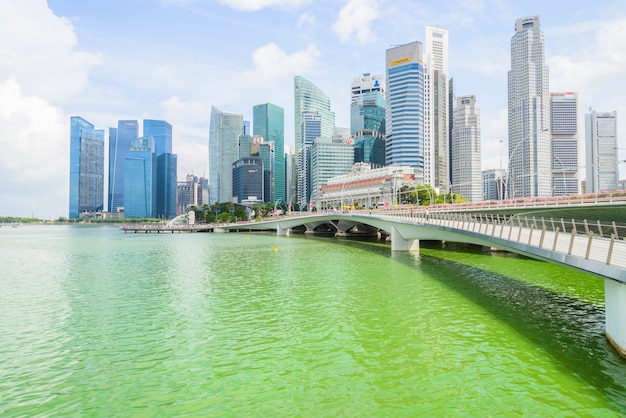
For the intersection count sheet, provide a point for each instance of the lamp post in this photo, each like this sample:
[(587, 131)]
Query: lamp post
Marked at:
[(563, 171)]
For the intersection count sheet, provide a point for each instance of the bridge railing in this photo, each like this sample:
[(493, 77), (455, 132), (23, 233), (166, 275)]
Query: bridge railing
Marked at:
[(590, 240)]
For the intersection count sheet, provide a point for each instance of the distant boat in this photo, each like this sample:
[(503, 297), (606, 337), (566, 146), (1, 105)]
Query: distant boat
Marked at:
[(15, 225)]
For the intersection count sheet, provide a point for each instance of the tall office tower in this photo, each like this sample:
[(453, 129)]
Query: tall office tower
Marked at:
[(268, 121), (451, 104), (309, 98), (492, 184), (266, 152), (120, 140), (140, 179), (86, 168), (466, 172), (601, 141), (224, 132), (330, 157), (405, 106), (291, 176), (436, 164), (248, 179), (530, 160), (564, 130), (310, 130), (161, 131), (367, 119), (192, 191)]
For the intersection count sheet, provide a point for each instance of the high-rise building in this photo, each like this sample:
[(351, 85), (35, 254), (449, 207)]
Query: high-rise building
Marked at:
[(565, 143), (493, 184), (309, 98), (466, 171), (530, 161), (330, 157), (193, 191), (405, 106), (367, 119), (267, 154), (166, 185), (268, 121), (224, 131), (248, 180), (140, 179), (601, 144), (120, 140), (86, 168), (310, 130), (436, 120), (451, 104)]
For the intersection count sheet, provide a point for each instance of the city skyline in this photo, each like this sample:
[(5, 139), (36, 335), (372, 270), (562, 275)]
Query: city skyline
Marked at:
[(103, 73)]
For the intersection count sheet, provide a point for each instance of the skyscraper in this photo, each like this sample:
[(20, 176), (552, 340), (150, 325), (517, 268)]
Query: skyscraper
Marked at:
[(268, 121), (166, 183), (530, 161), (436, 119), (466, 173), (330, 157), (224, 131), (309, 98), (310, 130), (86, 168), (120, 140), (140, 179), (601, 141), (564, 129), (405, 106), (367, 119)]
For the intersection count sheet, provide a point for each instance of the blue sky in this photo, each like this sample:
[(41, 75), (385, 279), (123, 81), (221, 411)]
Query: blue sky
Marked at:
[(174, 59)]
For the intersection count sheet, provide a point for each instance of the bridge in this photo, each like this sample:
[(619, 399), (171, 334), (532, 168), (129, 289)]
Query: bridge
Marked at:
[(591, 239)]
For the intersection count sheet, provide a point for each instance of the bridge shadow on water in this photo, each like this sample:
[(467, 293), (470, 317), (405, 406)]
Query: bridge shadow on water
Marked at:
[(570, 330)]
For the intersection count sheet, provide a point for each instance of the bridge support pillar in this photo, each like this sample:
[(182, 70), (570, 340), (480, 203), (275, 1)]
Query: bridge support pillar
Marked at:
[(281, 232), (615, 301), (398, 243)]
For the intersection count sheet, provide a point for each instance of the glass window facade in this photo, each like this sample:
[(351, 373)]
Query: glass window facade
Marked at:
[(86, 168), (140, 170), (268, 121), (120, 140)]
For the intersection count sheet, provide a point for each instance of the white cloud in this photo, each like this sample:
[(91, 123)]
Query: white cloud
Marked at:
[(355, 21), (252, 5), (270, 62), (39, 50), (306, 19), (35, 154)]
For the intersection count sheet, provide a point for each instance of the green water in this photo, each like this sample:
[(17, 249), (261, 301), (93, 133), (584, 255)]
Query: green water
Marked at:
[(95, 322)]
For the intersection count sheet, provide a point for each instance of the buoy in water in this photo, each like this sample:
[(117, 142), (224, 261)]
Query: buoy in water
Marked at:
[(275, 248)]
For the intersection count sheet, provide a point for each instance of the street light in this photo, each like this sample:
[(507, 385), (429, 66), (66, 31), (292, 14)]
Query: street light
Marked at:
[(563, 171)]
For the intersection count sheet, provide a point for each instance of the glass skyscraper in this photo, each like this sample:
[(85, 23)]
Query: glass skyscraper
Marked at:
[(310, 129), (367, 119), (140, 179), (224, 131), (120, 140), (166, 185), (86, 168), (530, 162), (405, 106), (565, 143), (309, 98), (601, 144), (268, 121), (466, 171)]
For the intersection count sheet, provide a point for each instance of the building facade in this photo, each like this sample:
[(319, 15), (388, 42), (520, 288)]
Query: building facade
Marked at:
[(436, 120), (193, 191), (224, 131), (120, 140), (86, 168), (167, 168), (268, 121), (248, 180), (565, 143), (405, 106), (140, 179), (330, 157), (310, 130), (367, 119), (466, 151), (493, 184), (601, 152), (530, 162)]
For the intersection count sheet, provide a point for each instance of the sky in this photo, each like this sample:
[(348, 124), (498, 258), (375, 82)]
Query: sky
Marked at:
[(174, 59)]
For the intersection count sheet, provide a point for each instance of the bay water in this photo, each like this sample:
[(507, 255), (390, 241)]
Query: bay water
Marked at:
[(96, 322)]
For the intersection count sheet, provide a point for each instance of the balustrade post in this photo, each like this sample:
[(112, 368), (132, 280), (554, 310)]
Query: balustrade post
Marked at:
[(600, 229), (552, 222), (556, 237), (530, 235), (571, 241), (615, 230), (519, 234), (610, 252), (543, 234), (588, 246), (586, 226), (563, 225)]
